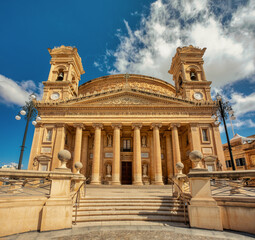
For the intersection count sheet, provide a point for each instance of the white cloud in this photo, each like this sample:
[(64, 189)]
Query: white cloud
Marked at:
[(243, 104), (149, 49), (13, 93)]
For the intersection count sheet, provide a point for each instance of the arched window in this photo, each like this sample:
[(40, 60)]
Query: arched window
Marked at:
[(193, 75), (60, 75)]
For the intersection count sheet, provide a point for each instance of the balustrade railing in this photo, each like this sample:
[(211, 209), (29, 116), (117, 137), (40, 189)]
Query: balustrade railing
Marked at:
[(230, 183), (24, 183)]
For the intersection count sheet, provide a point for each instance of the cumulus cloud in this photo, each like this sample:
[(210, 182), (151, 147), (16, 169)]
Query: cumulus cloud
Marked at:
[(12, 92), (226, 29)]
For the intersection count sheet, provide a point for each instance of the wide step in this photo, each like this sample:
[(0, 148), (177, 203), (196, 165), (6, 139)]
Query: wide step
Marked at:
[(128, 217), (117, 206)]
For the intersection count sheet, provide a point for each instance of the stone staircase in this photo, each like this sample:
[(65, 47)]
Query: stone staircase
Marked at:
[(119, 204)]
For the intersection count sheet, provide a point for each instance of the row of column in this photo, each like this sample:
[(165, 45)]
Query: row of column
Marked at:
[(156, 164)]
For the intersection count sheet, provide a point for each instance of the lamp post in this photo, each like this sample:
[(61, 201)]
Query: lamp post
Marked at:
[(29, 112), (224, 109)]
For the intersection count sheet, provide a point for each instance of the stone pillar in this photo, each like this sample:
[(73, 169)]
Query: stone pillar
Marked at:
[(116, 154), (77, 145), (218, 146), (169, 156), (195, 137), (84, 152), (96, 154), (59, 144), (137, 161), (36, 145), (176, 145), (152, 165), (157, 154)]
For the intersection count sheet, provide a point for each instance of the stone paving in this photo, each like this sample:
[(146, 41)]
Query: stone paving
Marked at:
[(160, 231)]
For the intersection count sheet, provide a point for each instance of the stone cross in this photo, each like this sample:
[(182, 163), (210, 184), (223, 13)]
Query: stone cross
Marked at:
[(126, 77)]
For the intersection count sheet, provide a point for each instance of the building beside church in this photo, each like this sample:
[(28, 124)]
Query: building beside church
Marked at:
[(126, 128), (243, 151)]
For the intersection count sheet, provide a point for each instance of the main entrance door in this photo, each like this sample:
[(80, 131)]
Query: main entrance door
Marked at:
[(126, 173)]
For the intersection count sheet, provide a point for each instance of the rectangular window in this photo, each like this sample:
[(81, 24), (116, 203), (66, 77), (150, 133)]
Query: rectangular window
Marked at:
[(228, 164), (126, 145), (240, 162), (205, 135)]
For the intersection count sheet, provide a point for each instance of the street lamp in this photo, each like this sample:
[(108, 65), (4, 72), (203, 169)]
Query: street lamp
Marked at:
[(29, 112), (224, 109)]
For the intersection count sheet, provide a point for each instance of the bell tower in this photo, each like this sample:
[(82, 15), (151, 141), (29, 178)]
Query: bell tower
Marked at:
[(65, 74), (188, 74)]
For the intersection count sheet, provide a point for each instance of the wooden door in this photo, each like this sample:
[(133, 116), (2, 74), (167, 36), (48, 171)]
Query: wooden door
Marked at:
[(126, 173)]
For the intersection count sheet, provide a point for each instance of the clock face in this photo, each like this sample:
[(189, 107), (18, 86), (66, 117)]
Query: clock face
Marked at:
[(54, 96), (198, 95)]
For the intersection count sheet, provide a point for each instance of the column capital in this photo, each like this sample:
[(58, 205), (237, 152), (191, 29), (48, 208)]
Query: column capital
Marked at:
[(97, 125), (137, 125), (79, 125), (174, 125), (59, 125), (38, 125), (156, 125), (116, 125)]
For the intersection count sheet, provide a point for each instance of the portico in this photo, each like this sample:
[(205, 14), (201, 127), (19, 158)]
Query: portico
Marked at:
[(126, 129)]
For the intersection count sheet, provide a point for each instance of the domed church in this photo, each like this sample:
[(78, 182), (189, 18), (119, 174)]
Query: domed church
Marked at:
[(126, 128)]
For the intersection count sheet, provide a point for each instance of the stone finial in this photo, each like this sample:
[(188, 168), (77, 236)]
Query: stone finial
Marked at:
[(78, 166), (179, 166), (196, 156), (64, 156)]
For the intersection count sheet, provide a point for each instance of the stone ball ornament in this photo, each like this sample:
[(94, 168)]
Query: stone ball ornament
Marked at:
[(179, 166), (78, 167), (196, 156), (64, 156)]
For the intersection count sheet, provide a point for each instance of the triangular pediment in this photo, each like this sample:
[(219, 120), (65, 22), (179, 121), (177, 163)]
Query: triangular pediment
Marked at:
[(125, 98)]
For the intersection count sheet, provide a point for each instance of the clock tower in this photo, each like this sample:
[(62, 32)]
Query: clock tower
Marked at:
[(65, 74), (188, 74)]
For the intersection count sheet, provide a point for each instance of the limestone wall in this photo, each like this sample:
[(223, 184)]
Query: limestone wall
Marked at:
[(237, 214), (21, 214)]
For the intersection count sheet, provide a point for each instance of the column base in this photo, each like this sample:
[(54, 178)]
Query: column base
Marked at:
[(95, 183), (115, 183), (137, 183), (158, 183)]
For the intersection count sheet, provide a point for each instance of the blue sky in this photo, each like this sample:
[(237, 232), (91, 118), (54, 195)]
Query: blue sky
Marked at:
[(113, 36)]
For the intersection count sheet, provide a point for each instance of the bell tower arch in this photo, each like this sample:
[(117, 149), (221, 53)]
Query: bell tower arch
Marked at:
[(188, 74), (65, 74)]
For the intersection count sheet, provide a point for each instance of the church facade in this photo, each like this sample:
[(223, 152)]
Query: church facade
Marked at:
[(126, 128)]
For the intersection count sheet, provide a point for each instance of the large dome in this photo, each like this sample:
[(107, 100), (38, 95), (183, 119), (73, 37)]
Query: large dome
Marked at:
[(135, 81)]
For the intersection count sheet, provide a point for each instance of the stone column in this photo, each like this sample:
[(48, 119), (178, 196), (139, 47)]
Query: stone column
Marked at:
[(37, 142), (195, 137), (58, 145), (77, 145), (96, 154), (84, 152), (157, 154), (137, 161), (169, 156), (116, 154), (176, 145), (218, 146), (152, 168)]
